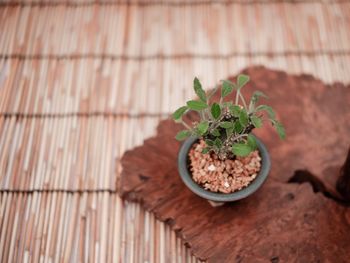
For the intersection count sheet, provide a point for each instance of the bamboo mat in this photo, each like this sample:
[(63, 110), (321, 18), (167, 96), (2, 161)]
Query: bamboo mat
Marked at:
[(87, 227), (67, 86), (69, 153), (141, 32), (83, 81)]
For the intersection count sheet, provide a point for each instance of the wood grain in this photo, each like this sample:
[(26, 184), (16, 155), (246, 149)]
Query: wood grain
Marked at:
[(282, 221)]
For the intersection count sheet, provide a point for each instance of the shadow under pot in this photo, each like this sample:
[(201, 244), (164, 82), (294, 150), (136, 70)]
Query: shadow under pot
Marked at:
[(215, 198)]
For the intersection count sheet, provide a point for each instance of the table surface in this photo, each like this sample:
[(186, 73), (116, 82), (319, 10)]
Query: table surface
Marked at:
[(83, 81)]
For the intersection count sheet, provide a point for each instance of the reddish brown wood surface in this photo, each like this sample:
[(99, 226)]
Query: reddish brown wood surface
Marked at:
[(283, 221)]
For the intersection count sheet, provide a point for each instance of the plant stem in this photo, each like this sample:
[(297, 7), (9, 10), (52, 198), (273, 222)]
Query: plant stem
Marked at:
[(186, 125), (237, 94), (201, 115), (240, 136), (243, 100)]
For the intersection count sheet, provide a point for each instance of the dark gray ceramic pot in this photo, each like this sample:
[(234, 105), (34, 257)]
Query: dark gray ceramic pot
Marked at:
[(186, 177)]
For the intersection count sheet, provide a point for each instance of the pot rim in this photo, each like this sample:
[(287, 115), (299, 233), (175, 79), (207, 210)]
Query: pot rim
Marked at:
[(186, 176)]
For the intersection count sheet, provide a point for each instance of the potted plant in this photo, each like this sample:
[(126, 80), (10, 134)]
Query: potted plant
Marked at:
[(221, 160)]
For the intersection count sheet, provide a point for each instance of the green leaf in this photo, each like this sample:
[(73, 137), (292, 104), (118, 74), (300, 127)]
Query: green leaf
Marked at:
[(243, 118), (227, 88), (229, 131), (255, 98), (197, 86), (226, 124), (209, 142), (182, 135), (205, 150), (216, 132), (241, 149), (280, 129), (257, 122), (196, 132), (242, 80), (258, 94), (203, 127), (196, 105), (268, 109), (215, 111), (252, 142), (235, 110), (218, 143), (238, 127), (179, 112)]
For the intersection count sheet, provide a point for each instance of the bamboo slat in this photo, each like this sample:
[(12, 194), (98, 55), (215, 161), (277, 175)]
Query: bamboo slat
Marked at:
[(142, 31)]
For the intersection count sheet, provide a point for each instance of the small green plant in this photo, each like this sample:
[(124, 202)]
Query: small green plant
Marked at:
[(226, 125)]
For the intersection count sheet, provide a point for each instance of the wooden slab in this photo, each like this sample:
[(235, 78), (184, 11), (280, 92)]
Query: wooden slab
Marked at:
[(282, 221)]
